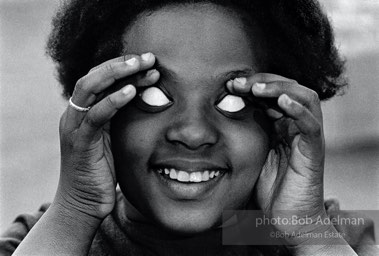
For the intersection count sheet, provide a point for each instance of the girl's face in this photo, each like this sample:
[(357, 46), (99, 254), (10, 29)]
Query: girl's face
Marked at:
[(212, 144)]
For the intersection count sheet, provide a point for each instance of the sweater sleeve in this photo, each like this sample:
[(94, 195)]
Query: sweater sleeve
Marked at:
[(12, 237), (360, 237)]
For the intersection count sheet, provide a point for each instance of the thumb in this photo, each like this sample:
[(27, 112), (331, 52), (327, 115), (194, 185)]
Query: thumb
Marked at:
[(269, 177)]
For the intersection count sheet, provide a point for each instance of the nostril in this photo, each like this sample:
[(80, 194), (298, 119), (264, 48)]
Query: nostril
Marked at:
[(192, 135)]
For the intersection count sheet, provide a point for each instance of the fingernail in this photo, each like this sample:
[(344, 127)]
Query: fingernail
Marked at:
[(274, 114), (260, 86), (127, 89), (240, 81), (146, 56), (151, 72), (285, 99), (131, 61)]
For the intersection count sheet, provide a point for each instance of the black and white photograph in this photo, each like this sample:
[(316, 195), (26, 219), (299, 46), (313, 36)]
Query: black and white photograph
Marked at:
[(193, 127)]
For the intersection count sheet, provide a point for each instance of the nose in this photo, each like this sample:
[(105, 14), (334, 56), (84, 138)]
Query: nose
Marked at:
[(192, 129)]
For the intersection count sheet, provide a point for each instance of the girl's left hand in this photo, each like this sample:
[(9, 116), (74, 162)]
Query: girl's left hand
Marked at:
[(297, 118)]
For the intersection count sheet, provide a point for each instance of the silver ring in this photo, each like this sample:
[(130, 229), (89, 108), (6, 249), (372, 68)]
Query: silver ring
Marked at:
[(78, 108)]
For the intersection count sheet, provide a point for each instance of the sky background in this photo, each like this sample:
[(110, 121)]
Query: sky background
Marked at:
[(31, 105)]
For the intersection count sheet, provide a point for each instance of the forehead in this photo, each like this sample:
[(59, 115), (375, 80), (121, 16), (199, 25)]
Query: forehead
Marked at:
[(196, 37)]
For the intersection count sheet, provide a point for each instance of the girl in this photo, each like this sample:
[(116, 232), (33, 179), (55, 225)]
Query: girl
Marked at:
[(192, 108)]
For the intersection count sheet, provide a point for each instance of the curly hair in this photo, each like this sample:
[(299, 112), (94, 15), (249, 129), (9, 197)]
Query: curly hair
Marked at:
[(298, 35)]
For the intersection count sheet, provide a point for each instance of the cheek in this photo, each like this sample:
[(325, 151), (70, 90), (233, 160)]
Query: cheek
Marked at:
[(248, 141), (133, 140), (248, 146), (137, 137)]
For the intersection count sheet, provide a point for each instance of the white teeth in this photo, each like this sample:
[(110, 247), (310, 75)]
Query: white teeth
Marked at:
[(205, 176), (195, 177), (183, 176), (173, 174)]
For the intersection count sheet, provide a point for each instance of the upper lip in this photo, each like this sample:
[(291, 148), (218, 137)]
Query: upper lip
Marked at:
[(188, 165)]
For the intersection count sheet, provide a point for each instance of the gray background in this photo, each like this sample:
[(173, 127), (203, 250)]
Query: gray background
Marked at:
[(31, 106)]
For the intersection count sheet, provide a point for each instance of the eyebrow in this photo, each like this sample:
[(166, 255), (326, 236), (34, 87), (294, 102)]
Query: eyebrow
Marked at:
[(236, 73), (168, 73)]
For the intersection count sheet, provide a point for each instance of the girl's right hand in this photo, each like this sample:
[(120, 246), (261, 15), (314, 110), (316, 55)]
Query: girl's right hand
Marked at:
[(87, 179)]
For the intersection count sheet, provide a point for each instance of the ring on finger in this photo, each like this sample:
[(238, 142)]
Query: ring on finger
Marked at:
[(78, 108)]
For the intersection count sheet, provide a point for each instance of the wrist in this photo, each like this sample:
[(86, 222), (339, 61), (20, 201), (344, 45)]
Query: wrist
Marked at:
[(70, 216), (297, 228), (325, 241), (85, 205), (60, 231)]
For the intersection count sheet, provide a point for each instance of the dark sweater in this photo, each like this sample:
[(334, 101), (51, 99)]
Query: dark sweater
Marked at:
[(118, 235)]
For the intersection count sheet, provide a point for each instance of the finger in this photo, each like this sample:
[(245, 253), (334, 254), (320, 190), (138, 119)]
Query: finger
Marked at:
[(146, 79), (301, 94), (102, 112), (311, 140), (264, 85), (74, 118), (106, 74), (242, 85), (239, 86), (274, 114), (272, 86), (267, 177), (99, 79), (270, 176), (124, 58)]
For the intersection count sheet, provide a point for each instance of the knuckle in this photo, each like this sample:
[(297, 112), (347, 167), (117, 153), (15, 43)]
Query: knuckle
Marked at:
[(93, 69), (90, 121), (67, 142), (317, 130), (63, 130), (62, 120), (287, 85), (96, 67), (109, 68), (262, 76), (302, 111), (110, 102), (313, 97), (63, 123), (80, 84), (283, 85)]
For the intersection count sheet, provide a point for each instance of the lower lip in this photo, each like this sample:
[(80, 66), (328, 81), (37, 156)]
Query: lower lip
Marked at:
[(189, 190)]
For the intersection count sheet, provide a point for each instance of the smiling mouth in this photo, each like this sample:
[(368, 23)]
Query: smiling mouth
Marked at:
[(189, 177), (185, 180)]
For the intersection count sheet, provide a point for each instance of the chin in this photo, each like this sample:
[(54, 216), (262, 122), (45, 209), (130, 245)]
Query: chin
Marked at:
[(187, 229), (189, 224)]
